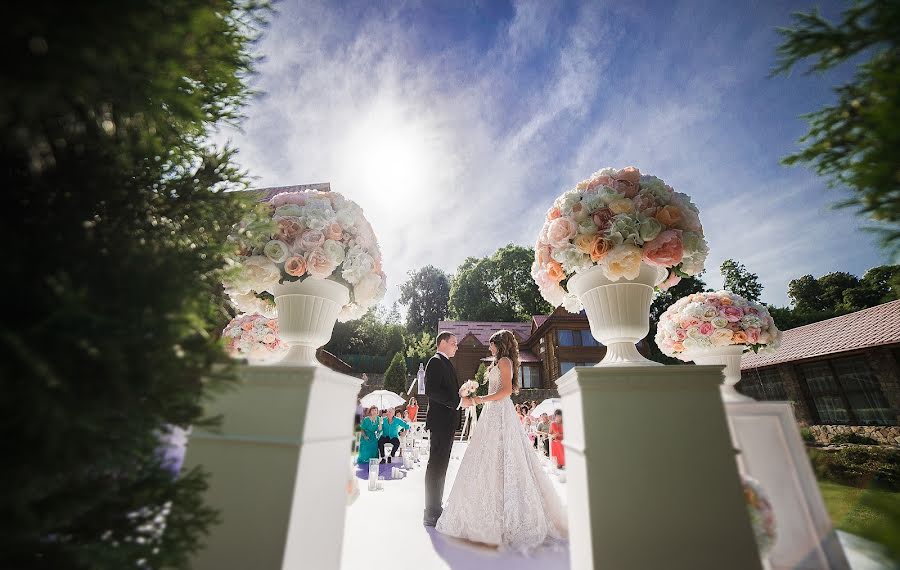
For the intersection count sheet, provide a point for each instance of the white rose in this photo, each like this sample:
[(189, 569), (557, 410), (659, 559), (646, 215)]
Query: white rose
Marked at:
[(369, 289), (554, 295), (350, 312), (571, 258), (622, 261), (257, 273), (721, 337), (572, 303), (334, 251), (719, 322), (357, 264), (346, 218), (276, 250), (250, 303)]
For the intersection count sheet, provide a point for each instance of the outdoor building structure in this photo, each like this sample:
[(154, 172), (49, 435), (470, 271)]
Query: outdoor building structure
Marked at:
[(842, 374), (549, 346)]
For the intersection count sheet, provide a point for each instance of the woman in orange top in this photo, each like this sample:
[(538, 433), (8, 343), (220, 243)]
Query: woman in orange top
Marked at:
[(556, 438), (413, 408)]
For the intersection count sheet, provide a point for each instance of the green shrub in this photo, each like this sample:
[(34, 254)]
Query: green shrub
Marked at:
[(807, 435), (395, 376), (852, 438), (858, 466)]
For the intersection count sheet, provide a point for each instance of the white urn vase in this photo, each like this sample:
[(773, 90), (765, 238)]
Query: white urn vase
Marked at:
[(730, 356), (618, 311), (307, 311)]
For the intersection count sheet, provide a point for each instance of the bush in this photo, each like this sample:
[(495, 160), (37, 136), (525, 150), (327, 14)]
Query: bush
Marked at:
[(858, 466), (807, 435), (395, 377), (852, 438)]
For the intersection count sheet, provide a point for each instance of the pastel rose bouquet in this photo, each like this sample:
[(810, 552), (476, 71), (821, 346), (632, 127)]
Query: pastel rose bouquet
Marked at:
[(762, 515), (253, 337), (707, 320), (306, 235), (468, 388), (617, 219)]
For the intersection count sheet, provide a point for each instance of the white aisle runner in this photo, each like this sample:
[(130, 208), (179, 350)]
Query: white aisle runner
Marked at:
[(384, 529)]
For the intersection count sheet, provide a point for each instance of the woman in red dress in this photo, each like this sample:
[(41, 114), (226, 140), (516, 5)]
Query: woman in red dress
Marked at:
[(413, 408), (556, 438)]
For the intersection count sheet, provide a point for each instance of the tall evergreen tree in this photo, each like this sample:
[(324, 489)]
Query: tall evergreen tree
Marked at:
[(741, 281), (395, 378), (116, 240)]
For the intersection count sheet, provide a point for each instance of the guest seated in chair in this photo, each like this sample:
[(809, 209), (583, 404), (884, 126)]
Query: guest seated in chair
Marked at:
[(390, 427), (368, 440)]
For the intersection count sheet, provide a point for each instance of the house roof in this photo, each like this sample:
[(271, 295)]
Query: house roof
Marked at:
[(269, 192), (539, 320), (876, 326), (482, 330)]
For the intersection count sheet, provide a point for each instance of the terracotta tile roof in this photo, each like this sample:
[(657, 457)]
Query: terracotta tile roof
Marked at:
[(870, 327), (524, 356), (483, 330), (269, 192)]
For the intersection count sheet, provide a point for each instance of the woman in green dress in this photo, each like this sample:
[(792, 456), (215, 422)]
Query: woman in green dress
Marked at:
[(371, 431)]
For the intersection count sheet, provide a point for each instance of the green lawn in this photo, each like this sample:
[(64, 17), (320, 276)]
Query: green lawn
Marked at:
[(870, 513)]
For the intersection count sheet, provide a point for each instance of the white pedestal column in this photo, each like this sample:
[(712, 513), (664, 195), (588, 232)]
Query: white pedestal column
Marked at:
[(278, 469), (652, 481), (773, 453)]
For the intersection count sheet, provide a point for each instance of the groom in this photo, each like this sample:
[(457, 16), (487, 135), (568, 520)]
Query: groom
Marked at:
[(442, 421)]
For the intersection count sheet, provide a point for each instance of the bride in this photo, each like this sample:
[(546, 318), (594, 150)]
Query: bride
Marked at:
[(501, 495)]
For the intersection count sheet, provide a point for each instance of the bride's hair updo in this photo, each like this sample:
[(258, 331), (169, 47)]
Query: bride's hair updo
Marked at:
[(508, 346)]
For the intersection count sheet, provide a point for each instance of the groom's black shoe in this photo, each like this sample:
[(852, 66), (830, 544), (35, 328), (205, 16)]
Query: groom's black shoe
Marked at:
[(389, 459)]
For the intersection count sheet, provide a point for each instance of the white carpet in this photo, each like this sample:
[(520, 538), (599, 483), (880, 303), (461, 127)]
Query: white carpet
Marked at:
[(385, 527)]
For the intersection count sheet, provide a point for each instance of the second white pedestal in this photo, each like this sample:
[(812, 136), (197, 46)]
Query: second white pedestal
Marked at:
[(652, 479), (278, 469), (773, 453)]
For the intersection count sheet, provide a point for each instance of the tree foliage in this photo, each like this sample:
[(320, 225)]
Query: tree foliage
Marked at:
[(497, 288), (117, 240), (741, 281), (421, 347), (395, 378), (853, 143), (372, 334), (425, 295)]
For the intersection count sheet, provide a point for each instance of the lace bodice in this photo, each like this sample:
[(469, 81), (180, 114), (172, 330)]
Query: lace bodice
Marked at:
[(494, 381)]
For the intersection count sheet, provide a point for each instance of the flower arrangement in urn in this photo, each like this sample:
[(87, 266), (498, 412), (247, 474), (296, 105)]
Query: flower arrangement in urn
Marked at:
[(254, 337), (710, 320), (296, 236), (617, 219)]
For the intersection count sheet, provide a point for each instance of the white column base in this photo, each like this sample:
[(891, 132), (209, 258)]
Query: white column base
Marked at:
[(278, 468), (773, 453), (652, 480)]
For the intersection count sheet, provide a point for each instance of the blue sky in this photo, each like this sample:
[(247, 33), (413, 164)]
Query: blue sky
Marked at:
[(455, 124)]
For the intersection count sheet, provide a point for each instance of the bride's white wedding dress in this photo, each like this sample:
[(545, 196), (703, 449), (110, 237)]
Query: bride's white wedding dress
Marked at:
[(501, 494)]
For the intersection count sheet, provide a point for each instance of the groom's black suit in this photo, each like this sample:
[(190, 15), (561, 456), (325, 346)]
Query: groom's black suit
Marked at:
[(442, 420)]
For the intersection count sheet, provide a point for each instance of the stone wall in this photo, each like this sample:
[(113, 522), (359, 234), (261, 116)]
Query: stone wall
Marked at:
[(882, 434)]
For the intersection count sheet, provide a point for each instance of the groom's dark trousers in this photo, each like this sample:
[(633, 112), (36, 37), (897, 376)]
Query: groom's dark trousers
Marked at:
[(442, 420)]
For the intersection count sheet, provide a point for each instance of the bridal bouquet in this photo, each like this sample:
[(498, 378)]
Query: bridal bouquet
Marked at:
[(762, 516), (617, 219), (253, 337), (706, 320), (468, 388), (306, 235)]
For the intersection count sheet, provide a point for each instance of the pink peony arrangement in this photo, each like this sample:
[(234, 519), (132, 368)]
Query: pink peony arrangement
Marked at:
[(617, 219), (707, 320), (253, 337), (762, 515), (306, 235)]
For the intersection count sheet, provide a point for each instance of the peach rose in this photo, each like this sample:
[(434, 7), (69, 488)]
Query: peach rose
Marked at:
[(318, 264), (334, 231), (669, 216), (247, 326), (623, 206), (553, 213), (561, 231), (726, 301), (628, 181), (672, 280), (678, 346), (555, 271), (602, 218), (665, 250), (739, 337), (272, 324), (584, 242), (600, 181), (600, 248), (295, 266)]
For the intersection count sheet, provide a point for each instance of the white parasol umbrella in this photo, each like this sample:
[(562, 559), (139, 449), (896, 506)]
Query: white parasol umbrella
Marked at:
[(548, 406), (384, 399)]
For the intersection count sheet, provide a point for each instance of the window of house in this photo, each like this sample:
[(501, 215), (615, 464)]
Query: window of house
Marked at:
[(566, 366), (825, 393), (530, 376), (587, 339), (581, 337), (862, 391), (567, 338), (762, 384)]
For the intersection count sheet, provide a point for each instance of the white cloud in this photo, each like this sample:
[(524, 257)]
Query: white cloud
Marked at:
[(457, 152)]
